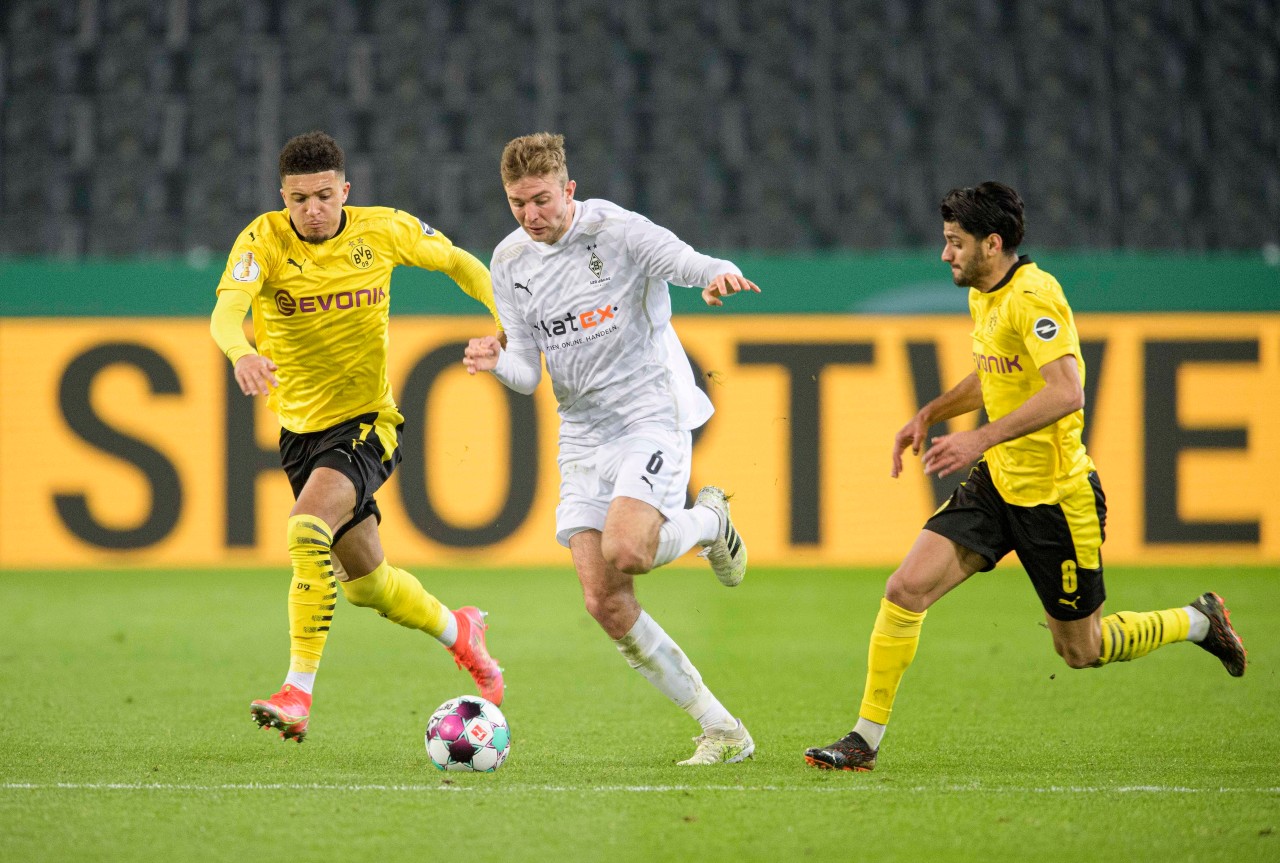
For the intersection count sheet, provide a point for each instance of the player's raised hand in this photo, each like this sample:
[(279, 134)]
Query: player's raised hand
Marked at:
[(910, 435), (725, 284), (256, 375), (481, 355)]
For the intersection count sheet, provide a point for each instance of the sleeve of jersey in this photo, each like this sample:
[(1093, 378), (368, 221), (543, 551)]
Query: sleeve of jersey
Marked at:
[(472, 276), (662, 254), (227, 324), (520, 364), (241, 281), (248, 264), (519, 369), (1046, 329), (423, 246)]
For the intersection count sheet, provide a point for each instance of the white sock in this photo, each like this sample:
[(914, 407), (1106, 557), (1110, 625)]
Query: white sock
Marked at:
[(650, 651), (450, 635), (870, 731), (709, 526), (683, 531), (304, 680), (1199, 624), (716, 718)]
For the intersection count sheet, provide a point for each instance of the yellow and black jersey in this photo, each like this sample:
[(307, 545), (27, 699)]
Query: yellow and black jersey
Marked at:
[(1019, 326), (320, 310)]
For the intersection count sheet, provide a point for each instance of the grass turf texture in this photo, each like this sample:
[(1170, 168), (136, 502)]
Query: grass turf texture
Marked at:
[(126, 731)]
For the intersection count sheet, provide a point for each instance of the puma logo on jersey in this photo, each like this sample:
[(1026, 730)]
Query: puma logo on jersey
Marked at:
[(1046, 329), (525, 288), (295, 263), (648, 481), (1070, 603)]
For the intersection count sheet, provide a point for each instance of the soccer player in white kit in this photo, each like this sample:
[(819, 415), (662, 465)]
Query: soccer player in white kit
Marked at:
[(584, 284)]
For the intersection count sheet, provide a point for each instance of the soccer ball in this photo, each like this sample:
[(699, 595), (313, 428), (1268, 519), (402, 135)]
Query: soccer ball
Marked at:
[(468, 733)]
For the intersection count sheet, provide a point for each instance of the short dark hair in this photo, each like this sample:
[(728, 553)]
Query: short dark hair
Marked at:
[(311, 153), (992, 208)]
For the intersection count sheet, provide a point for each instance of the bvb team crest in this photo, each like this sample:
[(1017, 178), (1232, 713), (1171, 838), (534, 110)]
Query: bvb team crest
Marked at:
[(362, 255)]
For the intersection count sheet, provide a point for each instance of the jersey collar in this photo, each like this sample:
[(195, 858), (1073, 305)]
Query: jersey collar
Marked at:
[(342, 225), (1022, 260)]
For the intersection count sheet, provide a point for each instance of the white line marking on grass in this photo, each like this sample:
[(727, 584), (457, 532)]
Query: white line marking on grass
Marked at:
[(630, 789)]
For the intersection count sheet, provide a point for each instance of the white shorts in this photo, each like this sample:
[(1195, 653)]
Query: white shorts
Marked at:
[(652, 466)]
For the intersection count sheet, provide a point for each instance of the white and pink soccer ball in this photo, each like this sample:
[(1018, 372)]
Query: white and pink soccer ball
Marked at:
[(468, 733)]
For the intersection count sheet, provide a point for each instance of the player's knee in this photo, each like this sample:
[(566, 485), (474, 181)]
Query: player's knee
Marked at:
[(604, 608), (626, 555), (1078, 655), (633, 564), (900, 592), (894, 592)]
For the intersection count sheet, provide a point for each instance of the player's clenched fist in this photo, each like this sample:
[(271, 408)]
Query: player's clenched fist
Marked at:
[(481, 354)]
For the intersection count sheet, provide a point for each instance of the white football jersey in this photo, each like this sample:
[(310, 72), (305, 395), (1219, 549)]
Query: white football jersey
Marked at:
[(596, 305)]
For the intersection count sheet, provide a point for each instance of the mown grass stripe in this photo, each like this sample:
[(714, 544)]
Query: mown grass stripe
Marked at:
[(633, 789)]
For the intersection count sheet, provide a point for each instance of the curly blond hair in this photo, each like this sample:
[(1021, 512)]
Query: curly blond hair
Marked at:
[(535, 155)]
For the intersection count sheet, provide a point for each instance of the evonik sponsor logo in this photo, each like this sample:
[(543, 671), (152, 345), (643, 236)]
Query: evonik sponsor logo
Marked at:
[(576, 322), (998, 365), (287, 305)]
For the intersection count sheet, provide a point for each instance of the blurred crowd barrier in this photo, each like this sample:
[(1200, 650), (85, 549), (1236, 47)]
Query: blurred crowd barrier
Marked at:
[(126, 440)]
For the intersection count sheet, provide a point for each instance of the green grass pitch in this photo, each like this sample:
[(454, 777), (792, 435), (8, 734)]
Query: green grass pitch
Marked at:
[(126, 733)]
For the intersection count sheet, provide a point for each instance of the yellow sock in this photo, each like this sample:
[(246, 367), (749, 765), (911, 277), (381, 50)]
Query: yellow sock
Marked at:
[(1130, 634), (399, 597), (312, 592), (894, 640)]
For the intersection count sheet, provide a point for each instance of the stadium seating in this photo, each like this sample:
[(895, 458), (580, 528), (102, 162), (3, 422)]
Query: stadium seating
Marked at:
[(770, 124)]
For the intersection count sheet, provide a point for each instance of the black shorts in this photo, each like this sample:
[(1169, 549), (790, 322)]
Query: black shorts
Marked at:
[(1059, 545), (365, 450)]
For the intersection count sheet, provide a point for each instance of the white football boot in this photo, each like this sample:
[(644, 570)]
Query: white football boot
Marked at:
[(728, 553)]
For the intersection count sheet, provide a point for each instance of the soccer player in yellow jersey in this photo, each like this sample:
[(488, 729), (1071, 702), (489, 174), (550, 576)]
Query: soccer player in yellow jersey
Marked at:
[(1033, 490), (317, 277)]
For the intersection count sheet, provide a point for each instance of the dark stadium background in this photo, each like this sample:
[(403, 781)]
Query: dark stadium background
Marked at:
[(133, 127)]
